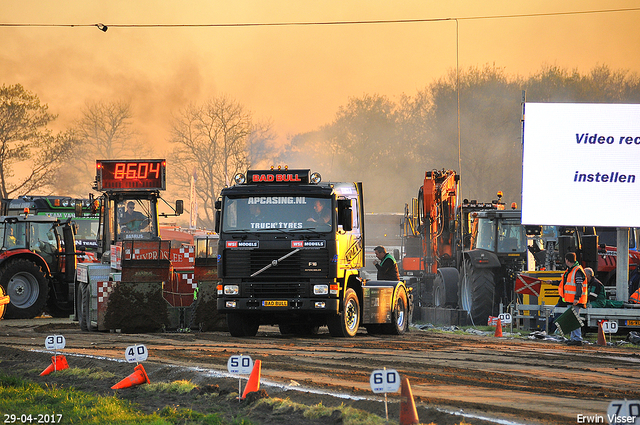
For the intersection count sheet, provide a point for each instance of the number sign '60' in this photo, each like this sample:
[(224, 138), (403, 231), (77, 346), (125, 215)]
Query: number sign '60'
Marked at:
[(136, 353), (54, 342), (384, 381), (240, 364)]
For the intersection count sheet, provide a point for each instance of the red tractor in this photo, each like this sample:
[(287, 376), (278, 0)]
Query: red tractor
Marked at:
[(37, 266)]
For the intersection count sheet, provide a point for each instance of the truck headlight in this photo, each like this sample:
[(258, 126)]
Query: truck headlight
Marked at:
[(230, 304), (320, 304), (231, 290), (320, 289)]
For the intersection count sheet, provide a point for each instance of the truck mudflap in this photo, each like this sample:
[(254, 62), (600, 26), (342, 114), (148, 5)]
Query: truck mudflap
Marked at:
[(379, 297), (387, 307)]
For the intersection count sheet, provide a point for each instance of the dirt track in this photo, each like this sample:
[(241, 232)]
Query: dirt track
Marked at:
[(526, 381)]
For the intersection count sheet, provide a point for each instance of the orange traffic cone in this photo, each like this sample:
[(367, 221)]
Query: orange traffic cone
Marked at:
[(408, 412), (57, 363), (254, 380), (498, 329), (136, 378), (601, 338)]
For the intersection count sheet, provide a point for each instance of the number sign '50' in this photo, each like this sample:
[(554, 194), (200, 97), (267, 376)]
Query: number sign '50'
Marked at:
[(384, 381), (240, 364), (136, 353)]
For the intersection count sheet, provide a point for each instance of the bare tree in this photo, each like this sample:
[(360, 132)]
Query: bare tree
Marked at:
[(30, 155), (213, 139), (105, 129)]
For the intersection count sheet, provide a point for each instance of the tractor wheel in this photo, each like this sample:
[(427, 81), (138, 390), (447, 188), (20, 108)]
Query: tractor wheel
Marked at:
[(477, 289), (241, 325), (346, 323), (27, 287), (55, 310), (399, 315), (445, 287)]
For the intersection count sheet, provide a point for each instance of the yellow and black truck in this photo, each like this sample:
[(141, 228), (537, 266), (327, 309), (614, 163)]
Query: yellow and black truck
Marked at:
[(290, 254)]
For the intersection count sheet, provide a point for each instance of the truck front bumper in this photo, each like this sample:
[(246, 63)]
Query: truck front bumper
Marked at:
[(271, 305)]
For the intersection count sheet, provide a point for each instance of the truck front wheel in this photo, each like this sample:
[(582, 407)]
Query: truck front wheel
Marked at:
[(27, 287), (241, 325), (346, 323)]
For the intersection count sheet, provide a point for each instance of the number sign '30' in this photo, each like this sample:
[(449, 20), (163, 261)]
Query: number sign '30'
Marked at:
[(54, 342)]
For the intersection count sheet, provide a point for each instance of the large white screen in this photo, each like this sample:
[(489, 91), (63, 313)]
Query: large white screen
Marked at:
[(581, 164)]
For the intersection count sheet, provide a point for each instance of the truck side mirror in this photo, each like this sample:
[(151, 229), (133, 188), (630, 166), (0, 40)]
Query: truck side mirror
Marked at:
[(347, 220), (217, 221), (179, 207)]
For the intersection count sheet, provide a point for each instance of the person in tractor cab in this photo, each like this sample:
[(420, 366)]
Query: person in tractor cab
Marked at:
[(386, 265), (132, 220), (11, 239), (573, 292)]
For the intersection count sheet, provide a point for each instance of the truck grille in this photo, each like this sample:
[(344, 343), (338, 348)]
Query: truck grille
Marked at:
[(276, 290), (306, 263)]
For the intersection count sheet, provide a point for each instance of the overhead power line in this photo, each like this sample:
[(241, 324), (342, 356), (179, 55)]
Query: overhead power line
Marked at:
[(104, 27)]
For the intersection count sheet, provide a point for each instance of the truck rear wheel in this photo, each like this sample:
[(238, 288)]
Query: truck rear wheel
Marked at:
[(27, 287), (241, 325), (477, 289), (346, 323), (445, 287), (399, 315)]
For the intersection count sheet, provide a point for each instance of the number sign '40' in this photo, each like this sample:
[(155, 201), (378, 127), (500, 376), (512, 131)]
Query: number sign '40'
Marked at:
[(384, 381), (136, 353), (240, 364), (54, 342)]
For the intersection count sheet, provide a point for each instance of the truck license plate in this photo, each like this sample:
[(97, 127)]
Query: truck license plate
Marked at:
[(633, 322), (275, 303)]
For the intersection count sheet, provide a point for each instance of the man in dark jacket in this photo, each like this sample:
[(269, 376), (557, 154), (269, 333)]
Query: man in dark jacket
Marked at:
[(386, 265)]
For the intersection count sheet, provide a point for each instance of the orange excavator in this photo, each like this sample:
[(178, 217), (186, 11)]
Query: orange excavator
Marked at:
[(461, 254)]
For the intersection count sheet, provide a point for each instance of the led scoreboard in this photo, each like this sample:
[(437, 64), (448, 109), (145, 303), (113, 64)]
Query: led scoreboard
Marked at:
[(149, 174)]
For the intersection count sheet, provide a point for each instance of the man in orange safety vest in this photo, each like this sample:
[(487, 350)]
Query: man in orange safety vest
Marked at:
[(573, 292)]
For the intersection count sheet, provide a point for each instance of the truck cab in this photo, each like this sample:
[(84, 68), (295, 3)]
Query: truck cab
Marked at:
[(290, 252)]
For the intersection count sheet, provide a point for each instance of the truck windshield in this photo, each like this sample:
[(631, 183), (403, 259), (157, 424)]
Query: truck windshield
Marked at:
[(280, 213)]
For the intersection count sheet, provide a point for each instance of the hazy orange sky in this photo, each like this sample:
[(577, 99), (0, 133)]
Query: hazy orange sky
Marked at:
[(296, 76)]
